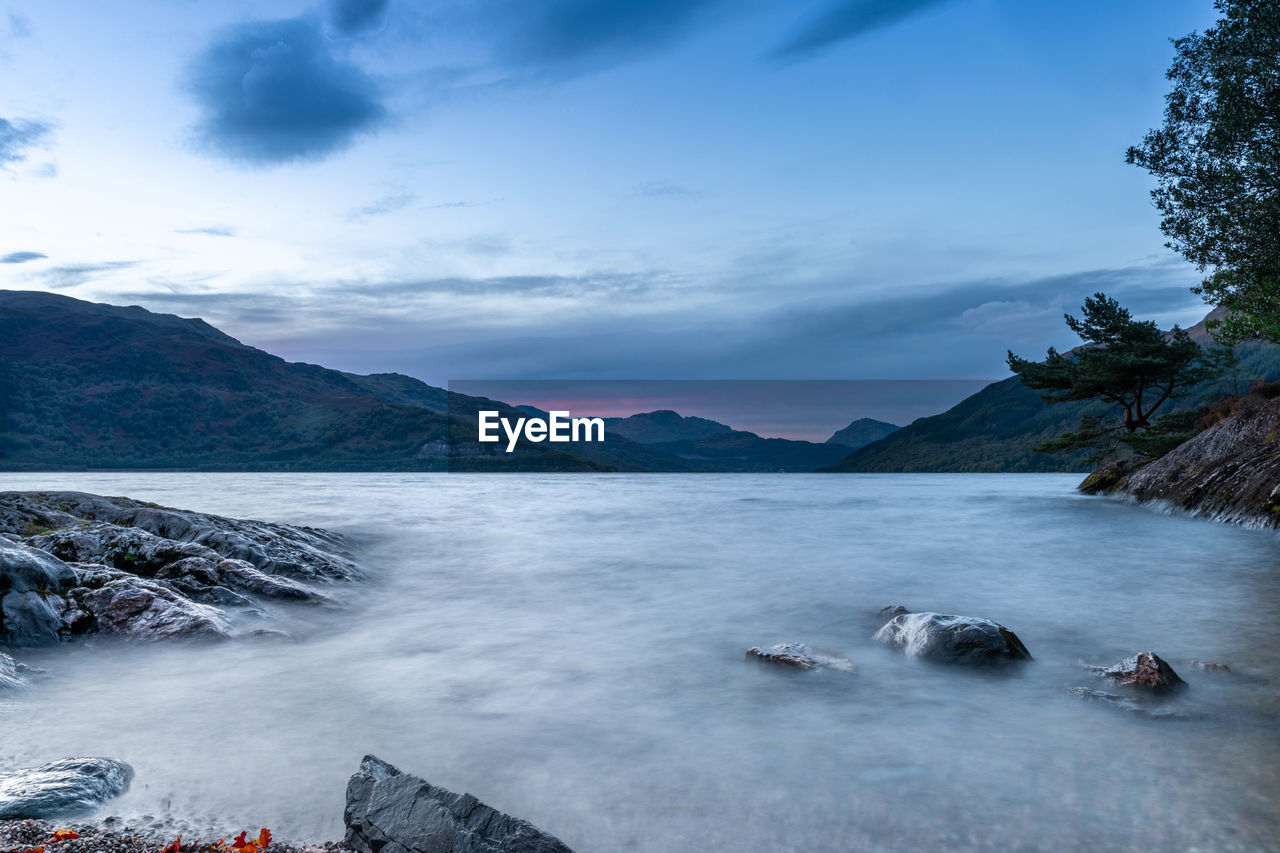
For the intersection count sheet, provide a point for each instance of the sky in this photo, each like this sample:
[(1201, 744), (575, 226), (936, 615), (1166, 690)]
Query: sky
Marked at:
[(596, 189)]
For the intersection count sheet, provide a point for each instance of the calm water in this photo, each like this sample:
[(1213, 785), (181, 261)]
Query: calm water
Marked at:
[(570, 649)]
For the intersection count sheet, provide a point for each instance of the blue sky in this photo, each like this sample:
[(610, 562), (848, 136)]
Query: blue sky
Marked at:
[(595, 189)]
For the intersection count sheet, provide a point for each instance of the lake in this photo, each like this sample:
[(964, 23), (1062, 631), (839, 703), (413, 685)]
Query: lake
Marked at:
[(570, 649)]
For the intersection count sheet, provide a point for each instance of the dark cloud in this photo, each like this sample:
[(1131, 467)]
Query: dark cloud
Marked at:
[(356, 17), (19, 136), (273, 92), (555, 32), (71, 275), (389, 203), (842, 20), (21, 257), (211, 230)]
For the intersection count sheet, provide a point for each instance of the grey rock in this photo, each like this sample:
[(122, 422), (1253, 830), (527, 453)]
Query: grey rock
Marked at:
[(393, 812), (70, 785), (1130, 705), (954, 639), (10, 675), (124, 605), (891, 610), (798, 655)]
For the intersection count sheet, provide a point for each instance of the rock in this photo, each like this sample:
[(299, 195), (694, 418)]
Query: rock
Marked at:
[(1145, 670), (799, 656), (301, 553), (31, 582), (1209, 666), (10, 676), (123, 605), (891, 610), (393, 812), (957, 639), (73, 784), (1229, 472)]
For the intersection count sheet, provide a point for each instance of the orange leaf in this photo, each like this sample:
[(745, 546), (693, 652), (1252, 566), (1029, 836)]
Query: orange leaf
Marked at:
[(175, 847), (239, 840), (264, 838), (65, 835), (34, 850)]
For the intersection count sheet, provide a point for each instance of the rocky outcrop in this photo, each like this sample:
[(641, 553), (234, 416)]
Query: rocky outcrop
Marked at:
[(11, 673), (73, 784), (1145, 670), (798, 655), (393, 812), (1229, 472), (953, 639), (73, 564)]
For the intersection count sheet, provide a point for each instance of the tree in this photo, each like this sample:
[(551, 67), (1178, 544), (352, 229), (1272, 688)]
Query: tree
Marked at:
[(1217, 163), (1131, 365)]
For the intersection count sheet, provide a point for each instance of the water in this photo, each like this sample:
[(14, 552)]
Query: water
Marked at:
[(570, 649)]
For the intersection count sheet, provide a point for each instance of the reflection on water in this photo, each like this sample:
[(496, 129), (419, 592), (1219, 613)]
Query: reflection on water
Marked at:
[(570, 649)]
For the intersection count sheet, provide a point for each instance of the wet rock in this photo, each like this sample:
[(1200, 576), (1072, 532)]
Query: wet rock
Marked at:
[(954, 639), (1145, 670), (73, 784), (10, 677), (799, 656), (1209, 666), (393, 812), (891, 610), (301, 553), (123, 605), (30, 583)]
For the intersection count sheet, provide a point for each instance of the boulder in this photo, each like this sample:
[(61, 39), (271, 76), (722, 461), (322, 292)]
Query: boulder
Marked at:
[(73, 784), (798, 655), (954, 639), (1145, 670), (393, 812), (891, 610), (118, 603), (31, 583)]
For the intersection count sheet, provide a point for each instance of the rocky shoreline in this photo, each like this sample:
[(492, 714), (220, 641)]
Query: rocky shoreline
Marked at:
[(1230, 472)]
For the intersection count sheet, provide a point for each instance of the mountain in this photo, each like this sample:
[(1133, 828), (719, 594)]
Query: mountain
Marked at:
[(90, 386), (862, 432), (664, 425), (741, 452), (998, 428)]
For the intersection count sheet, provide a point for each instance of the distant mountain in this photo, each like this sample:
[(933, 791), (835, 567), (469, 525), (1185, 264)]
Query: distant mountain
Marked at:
[(998, 428), (663, 426), (737, 451), (862, 432), (91, 386)]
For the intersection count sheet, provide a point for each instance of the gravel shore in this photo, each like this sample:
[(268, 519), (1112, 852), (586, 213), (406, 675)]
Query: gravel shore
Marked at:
[(21, 836)]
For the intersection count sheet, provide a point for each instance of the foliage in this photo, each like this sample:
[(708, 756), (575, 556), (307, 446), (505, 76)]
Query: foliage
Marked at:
[(1216, 160), (1129, 365)]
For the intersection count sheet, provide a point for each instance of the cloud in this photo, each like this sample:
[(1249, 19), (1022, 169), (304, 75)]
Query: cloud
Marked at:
[(274, 92), (17, 27), (19, 136), (664, 189), (557, 32), (71, 275), (211, 230), (356, 17), (389, 203), (21, 257), (843, 20)]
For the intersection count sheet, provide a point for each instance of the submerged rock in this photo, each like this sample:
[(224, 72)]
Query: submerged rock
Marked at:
[(1209, 666), (393, 812), (798, 655), (891, 610), (957, 639), (73, 784), (1131, 705), (1145, 670)]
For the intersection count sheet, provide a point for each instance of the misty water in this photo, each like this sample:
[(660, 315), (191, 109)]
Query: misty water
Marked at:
[(570, 649)]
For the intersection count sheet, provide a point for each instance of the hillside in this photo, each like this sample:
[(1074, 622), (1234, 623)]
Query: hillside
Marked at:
[(664, 425), (862, 432), (91, 386), (998, 428), (741, 452)]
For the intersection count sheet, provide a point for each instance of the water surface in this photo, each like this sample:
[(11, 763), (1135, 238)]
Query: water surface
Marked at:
[(570, 649)]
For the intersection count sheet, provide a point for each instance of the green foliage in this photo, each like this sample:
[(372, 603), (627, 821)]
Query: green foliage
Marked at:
[(1217, 163), (1131, 366)]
